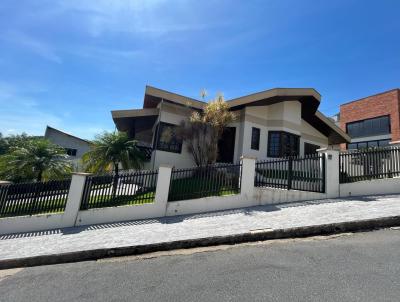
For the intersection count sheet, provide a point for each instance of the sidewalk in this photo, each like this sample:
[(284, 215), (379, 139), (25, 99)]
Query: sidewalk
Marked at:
[(192, 227)]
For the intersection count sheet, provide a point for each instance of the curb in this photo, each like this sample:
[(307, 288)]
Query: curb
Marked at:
[(297, 232)]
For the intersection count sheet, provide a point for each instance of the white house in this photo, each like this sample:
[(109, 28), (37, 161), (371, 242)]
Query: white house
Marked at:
[(74, 146), (273, 123)]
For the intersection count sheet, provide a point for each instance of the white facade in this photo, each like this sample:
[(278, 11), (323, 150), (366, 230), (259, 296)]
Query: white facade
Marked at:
[(290, 110), (284, 116)]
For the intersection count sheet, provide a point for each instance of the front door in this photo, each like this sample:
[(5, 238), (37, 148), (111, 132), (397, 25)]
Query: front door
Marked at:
[(226, 145)]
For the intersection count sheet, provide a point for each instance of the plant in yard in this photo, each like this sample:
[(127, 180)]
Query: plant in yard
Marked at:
[(36, 159), (110, 150), (204, 128)]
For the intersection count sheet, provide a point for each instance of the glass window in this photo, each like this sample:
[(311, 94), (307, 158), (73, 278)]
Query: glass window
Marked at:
[(255, 138), (352, 146), (167, 139), (310, 148), (70, 151), (369, 144), (362, 145), (282, 144), (384, 142), (369, 127)]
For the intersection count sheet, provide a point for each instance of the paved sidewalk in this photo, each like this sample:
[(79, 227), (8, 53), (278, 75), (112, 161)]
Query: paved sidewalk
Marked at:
[(196, 226)]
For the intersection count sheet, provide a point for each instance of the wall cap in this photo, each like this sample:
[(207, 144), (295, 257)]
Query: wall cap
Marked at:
[(394, 143), (82, 173), (166, 166), (248, 157)]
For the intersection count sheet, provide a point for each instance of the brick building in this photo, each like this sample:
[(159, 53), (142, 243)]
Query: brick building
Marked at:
[(372, 121)]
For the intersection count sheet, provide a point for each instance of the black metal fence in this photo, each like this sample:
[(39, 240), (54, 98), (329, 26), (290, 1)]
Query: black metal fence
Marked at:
[(215, 180), (34, 198), (128, 188), (303, 173), (369, 164)]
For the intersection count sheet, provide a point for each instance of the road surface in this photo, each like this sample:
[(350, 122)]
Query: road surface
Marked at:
[(349, 267)]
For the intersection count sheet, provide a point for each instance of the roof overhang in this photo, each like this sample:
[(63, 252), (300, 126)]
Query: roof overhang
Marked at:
[(126, 120), (153, 96)]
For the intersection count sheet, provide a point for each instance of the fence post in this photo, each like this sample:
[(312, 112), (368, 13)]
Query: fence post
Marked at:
[(290, 173), (162, 188), (247, 176), (331, 172), (74, 198)]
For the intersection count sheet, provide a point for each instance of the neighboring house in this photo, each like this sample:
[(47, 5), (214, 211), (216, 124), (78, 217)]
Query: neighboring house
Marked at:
[(73, 145), (373, 121), (273, 123)]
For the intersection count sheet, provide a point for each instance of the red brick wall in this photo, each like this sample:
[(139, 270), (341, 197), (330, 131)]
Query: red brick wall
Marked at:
[(373, 106)]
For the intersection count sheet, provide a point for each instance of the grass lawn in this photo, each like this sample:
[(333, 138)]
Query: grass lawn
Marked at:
[(190, 188), (102, 201)]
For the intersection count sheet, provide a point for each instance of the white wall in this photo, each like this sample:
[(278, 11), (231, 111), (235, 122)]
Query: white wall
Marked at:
[(370, 187), (274, 196)]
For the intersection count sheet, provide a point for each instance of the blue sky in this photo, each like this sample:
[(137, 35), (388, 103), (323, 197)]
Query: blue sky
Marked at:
[(68, 63)]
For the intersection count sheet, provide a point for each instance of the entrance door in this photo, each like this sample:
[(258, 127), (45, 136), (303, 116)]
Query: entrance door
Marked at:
[(226, 145)]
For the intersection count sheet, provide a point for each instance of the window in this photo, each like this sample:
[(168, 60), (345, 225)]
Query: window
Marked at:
[(255, 138), (369, 144), (369, 127), (282, 144), (310, 148), (167, 139), (71, 152)]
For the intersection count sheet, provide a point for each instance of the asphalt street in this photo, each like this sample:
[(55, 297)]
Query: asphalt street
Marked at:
[(350, 267)]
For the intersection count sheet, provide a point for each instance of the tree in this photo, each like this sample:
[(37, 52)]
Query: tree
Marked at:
[(37, 159), (109, 151), (204, 128)]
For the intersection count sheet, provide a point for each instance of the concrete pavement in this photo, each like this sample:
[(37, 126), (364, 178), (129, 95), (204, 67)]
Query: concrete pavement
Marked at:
[(65, 243)]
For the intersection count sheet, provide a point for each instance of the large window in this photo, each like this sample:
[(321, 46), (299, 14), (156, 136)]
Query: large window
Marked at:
[(369, 127), (310, 149), (369, 144), (255, 138), (167, 139), (283, 144)]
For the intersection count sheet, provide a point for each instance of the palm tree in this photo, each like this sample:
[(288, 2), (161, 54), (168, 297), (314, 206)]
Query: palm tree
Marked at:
[(37, 159), (202, 130), (109, 151)]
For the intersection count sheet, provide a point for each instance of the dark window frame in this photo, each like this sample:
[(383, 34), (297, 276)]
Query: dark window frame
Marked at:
[(255, 138), (174, 147), (364, 124), (281, 149)]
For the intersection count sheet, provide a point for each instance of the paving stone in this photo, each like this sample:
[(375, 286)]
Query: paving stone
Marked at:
[(113, 235)]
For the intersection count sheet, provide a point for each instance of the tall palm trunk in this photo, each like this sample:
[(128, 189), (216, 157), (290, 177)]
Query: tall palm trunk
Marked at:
[(115, 180)]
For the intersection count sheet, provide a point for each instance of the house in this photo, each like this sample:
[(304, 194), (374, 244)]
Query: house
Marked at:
[(74, 146), (273, 123), (373, 121)]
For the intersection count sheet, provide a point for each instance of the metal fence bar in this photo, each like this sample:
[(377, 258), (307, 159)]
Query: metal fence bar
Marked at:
[(33, 198), (127, 188), (301, 173), (370, 164), (213, 180)]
